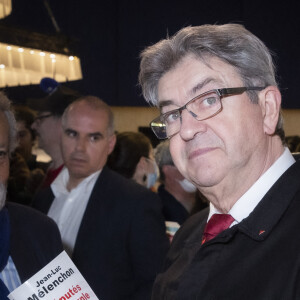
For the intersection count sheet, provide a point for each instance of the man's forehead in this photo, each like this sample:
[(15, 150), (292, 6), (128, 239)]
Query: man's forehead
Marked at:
[(87, 123), (194, 76), (89, 117), (83, 107)]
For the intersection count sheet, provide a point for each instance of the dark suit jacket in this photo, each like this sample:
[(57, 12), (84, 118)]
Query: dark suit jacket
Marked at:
[(34, 241), (121, 242), (258, 258), (173, 210)]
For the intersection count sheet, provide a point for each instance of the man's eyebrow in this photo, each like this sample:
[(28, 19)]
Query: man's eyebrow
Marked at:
[(99, 134), (191, 93), (69, 130), (163, 103), (200, 86)]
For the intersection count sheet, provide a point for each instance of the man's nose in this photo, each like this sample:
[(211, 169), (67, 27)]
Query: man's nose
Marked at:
[(80, 144), (190, 126)]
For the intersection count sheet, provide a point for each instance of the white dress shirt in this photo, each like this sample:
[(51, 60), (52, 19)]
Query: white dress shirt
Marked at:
[(68, 207), (246, 204)]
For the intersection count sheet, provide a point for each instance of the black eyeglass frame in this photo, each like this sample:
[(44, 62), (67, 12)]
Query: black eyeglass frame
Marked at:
[(225, 92)]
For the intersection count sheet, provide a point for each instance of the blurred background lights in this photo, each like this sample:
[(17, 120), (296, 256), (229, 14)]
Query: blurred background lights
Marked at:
[(5, 8), (24, 66)]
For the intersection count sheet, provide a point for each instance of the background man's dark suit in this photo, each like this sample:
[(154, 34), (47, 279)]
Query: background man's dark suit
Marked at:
[(264, 248), (121, 242), (34, 241)]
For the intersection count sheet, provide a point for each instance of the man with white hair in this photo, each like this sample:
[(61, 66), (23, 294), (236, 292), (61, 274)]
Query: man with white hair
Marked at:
[(28, 239)]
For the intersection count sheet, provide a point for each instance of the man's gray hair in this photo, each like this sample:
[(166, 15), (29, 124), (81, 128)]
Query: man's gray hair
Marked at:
[(162, 154), (5, 107), (163, 157), (231, 43)]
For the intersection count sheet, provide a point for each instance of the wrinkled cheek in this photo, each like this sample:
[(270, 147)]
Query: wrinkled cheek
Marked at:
[(4, 172), (180, 161)]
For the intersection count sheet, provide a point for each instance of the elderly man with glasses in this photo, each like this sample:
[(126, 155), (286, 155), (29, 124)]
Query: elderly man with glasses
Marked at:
[(220, 107), (28, 239)]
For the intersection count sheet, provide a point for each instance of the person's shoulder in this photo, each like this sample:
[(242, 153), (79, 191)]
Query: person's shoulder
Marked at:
[(29, 217), (295, 167), (122, 185), (129, 196), (289, 181), (296, 155), (34, 241), (34, 225)]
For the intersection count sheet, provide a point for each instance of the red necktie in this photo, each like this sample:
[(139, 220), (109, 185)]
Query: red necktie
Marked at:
[(216, 224)]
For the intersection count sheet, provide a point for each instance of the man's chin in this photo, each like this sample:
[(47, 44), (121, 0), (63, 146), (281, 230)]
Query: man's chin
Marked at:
[(77, 172)]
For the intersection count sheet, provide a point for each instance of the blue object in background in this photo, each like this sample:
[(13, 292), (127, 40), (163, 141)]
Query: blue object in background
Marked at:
[(48, 85)]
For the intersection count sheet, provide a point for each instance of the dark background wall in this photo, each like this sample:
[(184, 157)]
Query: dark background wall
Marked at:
[(112, 33)]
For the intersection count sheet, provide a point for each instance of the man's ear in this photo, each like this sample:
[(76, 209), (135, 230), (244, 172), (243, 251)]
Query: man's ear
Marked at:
[(270, 102), (111, 143)]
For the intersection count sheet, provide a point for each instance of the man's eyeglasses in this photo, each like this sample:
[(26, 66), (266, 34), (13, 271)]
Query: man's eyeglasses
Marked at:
[(38, 119), (201, 107)]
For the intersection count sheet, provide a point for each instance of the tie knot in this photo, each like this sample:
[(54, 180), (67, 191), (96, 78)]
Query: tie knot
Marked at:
[(216, 224)]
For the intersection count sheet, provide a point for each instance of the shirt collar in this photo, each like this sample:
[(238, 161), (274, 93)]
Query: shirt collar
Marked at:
[(246, 204), (59, 185)]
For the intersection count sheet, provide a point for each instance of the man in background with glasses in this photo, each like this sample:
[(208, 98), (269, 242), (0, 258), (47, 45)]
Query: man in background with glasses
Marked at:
[(220, 107), (48, 126)]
